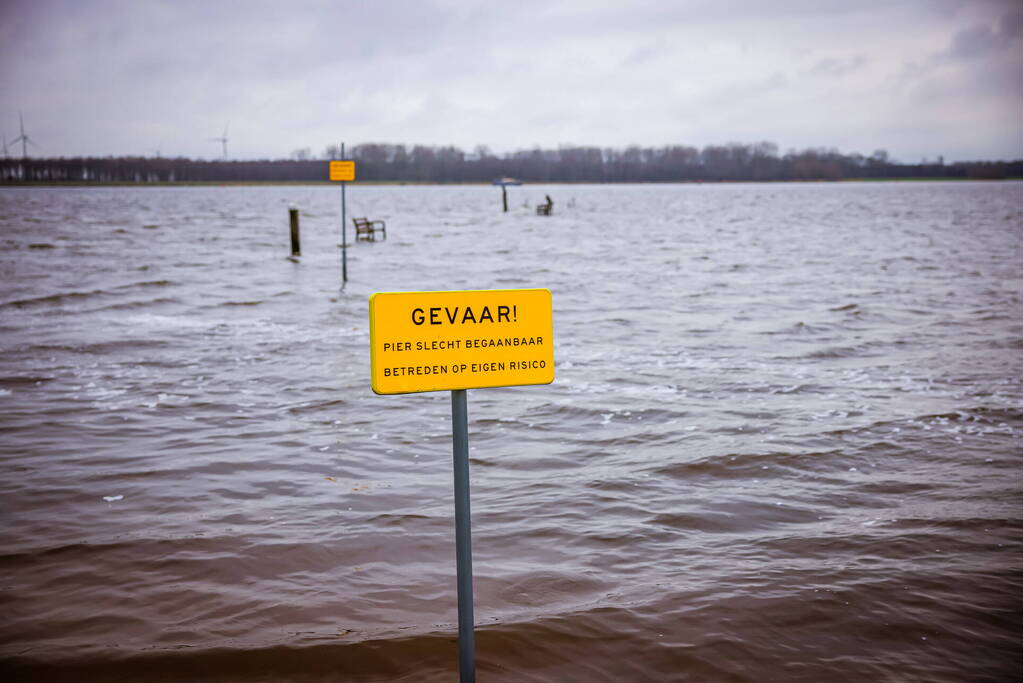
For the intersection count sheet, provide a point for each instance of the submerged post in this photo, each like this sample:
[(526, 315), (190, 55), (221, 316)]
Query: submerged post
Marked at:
[(296, 249), (344, 231), (463, 538), (504, 196)]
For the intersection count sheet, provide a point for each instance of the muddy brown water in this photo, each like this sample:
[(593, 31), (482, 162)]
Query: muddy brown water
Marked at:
[(783, 442)]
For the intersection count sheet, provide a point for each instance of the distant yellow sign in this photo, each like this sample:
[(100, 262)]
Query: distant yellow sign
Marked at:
[(342, 170), (437, 341)]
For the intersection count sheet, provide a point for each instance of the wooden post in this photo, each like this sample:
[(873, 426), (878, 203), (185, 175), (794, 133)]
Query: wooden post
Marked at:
[(504, 197), (296, 249)]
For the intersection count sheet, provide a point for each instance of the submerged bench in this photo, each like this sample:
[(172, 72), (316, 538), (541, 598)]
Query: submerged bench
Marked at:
[(366, 229), (545, 209)]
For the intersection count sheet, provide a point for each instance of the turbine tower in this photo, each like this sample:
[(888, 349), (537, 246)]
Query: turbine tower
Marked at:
[(24, 139), (223, 139)]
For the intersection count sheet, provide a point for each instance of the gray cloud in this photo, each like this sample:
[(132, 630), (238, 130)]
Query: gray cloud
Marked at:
[(984, 40), (119, 76), (836, 68)]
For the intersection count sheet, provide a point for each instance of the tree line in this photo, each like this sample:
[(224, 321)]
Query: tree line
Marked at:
[(440, 164)]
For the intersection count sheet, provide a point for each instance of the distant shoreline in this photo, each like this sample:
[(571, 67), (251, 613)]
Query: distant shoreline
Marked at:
[(398, 183)]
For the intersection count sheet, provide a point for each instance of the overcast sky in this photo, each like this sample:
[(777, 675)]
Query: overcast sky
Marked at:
[(919, 78)]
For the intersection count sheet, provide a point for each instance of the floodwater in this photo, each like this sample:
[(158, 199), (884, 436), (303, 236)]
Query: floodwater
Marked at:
[(783, 442)]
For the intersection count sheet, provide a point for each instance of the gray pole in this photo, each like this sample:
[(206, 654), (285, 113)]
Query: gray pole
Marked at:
[(344, 229), (463, 538)]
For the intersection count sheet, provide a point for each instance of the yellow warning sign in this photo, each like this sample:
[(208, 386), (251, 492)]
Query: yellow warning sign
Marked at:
[(437, 341), (342, 170)]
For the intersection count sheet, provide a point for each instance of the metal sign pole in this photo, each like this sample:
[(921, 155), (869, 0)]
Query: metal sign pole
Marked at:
[(344, 238), (402, 321), (463, 538)]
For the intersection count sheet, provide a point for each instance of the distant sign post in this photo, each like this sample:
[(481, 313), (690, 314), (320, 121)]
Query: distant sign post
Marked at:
[(459, 340), (343, 171)]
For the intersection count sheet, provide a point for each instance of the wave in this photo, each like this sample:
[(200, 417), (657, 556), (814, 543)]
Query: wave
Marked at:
[(866, 349), (754, 465), (69, 297), (58, 299), (107, 347), (22, 380), (550, 647)]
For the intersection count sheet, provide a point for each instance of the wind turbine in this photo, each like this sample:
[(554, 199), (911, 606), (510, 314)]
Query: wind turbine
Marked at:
[(223, 139), (23, 139)]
